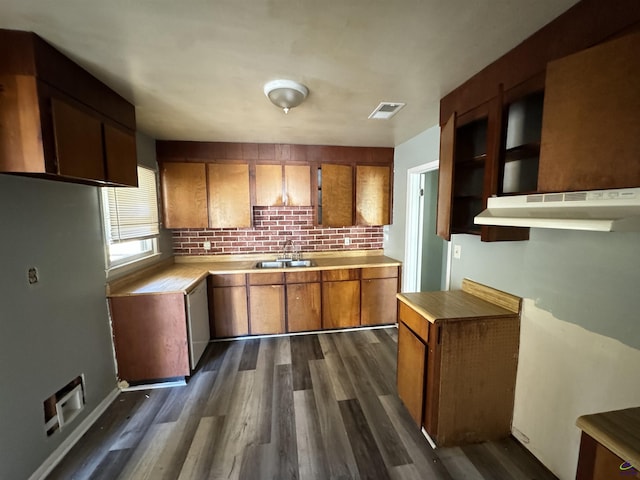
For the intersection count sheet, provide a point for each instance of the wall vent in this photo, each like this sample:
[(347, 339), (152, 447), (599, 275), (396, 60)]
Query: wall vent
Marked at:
[(386, 110), (64, 405)]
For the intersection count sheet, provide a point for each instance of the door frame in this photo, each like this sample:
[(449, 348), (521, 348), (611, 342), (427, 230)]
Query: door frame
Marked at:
[(412, 266)]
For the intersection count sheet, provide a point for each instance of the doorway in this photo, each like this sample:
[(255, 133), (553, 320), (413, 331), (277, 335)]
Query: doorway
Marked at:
[(424, 259)]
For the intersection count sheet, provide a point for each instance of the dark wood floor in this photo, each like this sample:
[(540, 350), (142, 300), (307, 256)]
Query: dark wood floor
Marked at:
[(309, 407)]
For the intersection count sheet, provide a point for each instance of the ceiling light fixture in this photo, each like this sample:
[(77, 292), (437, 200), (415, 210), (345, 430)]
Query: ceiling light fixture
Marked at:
[(285, 94)]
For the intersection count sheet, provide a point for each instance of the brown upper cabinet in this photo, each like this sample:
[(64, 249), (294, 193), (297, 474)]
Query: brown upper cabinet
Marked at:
[(58, 121), (591, 125), (353, 188), (184, 194), (373, 195), (553, 114), (278, 185)]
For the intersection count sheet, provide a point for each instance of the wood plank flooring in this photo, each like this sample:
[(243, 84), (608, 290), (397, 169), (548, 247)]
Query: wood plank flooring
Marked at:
[(320, 406)]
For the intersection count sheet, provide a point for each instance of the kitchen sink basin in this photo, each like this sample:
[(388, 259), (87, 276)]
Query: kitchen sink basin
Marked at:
[(285, 264)]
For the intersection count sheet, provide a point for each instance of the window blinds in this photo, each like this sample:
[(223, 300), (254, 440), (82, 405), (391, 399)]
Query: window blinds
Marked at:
[(132, 213)]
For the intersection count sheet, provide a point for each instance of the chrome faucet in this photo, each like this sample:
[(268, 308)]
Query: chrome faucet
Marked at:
[(283, 255)]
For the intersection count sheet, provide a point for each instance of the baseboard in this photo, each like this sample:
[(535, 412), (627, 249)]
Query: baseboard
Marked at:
[(58, 454)]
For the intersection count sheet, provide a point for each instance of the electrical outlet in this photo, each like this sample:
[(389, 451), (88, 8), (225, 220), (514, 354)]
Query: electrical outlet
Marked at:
[(457, 251), (347, 241), (32, 274), (207, 245)]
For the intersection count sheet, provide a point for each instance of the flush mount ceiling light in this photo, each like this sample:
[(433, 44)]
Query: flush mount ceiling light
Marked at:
[(386, 110), (285, 94)]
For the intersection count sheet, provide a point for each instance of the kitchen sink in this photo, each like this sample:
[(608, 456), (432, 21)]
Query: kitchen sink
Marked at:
[(285, 263)]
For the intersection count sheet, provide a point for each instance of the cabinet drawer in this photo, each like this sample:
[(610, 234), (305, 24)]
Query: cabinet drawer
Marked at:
[(272, 278), (341, 274), (414, 321), (379, 272), (229, 280), (302, 277)]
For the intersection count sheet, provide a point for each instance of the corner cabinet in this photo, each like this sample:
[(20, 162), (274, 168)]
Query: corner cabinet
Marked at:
[(58, 121), (457, 361)]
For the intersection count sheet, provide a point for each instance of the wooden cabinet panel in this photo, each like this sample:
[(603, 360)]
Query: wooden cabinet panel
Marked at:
[(228, 311), (267, 310), (120, 156), (269, 185), (269, 278), (297, 187), (373, 195), (337, 195), (597, 462), (78, 141), (229, 198), (20, 129), (445, 177), (340, 274), (379, 306), (184, 195), (303, 277), (412, 358), (150, 336), (341, 304), (414, 321), (591, 119), (304, 307), (228, 280), (379, 272)]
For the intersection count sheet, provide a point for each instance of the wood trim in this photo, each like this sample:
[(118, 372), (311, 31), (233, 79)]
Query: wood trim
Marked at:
[(492, 295)]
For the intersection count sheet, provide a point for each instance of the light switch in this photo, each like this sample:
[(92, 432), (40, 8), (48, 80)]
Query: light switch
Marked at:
[(207, 245), (457, 251)]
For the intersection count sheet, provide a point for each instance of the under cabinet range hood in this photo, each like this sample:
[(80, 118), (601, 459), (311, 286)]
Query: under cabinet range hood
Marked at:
[(595, 210)]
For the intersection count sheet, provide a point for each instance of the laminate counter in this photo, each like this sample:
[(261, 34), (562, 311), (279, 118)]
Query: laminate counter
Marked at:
[(618, 431), (183, 275)]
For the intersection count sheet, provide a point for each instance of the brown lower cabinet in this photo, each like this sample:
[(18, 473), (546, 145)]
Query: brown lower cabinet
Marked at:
[(597, 462), (266, 303), (150, 336), (228, 313), (304, 301), (457, 365), (378, 288), (340, 298)]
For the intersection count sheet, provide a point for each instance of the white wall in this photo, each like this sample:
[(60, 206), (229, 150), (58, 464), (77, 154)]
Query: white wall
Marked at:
[(421, 149), (580, 338)]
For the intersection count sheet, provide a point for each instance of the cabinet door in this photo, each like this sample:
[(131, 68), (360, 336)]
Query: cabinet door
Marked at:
[(229, 198), (269, 185), (120, 156), (591, 119), (150, 336), (297, 189), (341, 304), (229, 317), (20, 130), (412, 357), (445, 177), (266, 305), (303, 307), (337, 195), (184, 195), (78, 142), (379, 305), (373, 195)]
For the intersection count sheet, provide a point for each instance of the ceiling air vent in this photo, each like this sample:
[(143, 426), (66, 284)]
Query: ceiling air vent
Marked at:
[(386, 110)]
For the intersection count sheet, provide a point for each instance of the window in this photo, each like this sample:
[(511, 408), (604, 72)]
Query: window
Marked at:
[(131, 220)]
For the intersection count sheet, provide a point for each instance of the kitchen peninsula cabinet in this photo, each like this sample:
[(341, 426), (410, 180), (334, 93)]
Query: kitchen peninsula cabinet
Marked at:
[(228, 311), (184, 194), (340, 298), (457, 361), (278, 185), (60, 122), (304, 301), (266, 303)]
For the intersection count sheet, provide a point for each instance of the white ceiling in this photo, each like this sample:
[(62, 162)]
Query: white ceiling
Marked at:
[(195, 70)]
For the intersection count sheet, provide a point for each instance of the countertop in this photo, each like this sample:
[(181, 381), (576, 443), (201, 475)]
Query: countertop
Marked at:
[(618, 430), (459, 305), (186, 273)]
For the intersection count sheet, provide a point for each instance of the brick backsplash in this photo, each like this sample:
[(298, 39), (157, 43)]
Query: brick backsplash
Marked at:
[(272, 227)]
